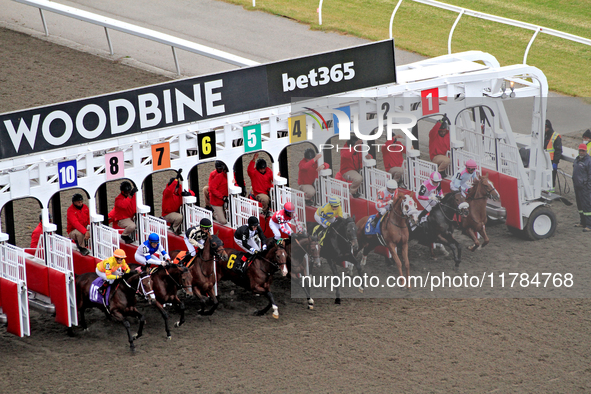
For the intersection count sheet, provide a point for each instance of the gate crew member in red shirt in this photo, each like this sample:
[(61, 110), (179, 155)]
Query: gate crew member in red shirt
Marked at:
[(216, 191), (124, 210), (172, 200), (352, 163), (439, 145), (38, 232), (262, 181), (308, 173), (393, 157), (78, 223)]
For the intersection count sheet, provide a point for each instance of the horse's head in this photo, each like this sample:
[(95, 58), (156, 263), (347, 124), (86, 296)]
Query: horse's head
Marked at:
[(279, 256), (351, 232), (217, 247), (144, 285), (489, 188), (314, 249), (409, 208), (457, 202), (186, 280)]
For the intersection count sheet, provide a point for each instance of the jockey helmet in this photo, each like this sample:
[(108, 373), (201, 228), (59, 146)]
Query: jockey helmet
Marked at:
[(583, 147), (435, 177), (119, 254), (205, 222), (253, 221), (125, 186), (261, 163), (77, 197), (288, 208), (154, 237), (471, 164), (391, 184), (309, 153), (334, 201)]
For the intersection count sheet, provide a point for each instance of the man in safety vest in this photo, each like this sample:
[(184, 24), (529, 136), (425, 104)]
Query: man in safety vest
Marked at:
[(385, 199), (145, 254), (111, 269), (587, 140), (582, 186), (553, 144), (462, 180)]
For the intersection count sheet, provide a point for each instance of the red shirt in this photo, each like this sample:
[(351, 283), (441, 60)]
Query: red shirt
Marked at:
[(171, 198), (437, 145), (78, 219), (36, 235), (307, 173), (261, 183), (351, 160), (393, 159), (218, 187), (124, 208)]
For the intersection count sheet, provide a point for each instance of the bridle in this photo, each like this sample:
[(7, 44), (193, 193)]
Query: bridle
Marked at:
[(140, 285)]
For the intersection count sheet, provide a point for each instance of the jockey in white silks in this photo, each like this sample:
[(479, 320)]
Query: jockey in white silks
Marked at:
[(462, 180)]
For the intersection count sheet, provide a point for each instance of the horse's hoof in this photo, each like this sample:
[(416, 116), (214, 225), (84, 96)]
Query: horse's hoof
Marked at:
[(86, 329), (310, 307), (337, 301), (169, 337), (177, 324), (276, 316), (360, 290)]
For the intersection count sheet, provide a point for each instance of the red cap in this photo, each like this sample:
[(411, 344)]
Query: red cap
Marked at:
[(582, 146)]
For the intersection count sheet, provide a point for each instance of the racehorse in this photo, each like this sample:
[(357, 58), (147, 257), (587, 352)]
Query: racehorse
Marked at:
[(339, 245), (122, 301), (202, 268), (166, 281), (259, 273), (482, 189), (394, 230), (439, 226), (304, 245)]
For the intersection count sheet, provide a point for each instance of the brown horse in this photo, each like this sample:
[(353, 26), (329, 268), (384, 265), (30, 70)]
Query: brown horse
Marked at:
[(122, 301), (166, 282), (259, 274), (394, 230), (302, 246), (481, 190), (202, 268)]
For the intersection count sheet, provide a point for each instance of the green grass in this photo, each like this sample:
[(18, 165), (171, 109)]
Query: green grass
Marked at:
[(424, 30)]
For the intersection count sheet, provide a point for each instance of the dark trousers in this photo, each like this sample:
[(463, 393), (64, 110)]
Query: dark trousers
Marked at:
[(583, 198)]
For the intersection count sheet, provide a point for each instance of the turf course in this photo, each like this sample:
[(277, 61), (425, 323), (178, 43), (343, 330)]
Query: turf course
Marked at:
[(424, 30)]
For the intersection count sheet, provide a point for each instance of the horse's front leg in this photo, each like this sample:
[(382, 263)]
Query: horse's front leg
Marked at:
[(333, 269), (201, 298), (215, 301), (485, 239), (164, 314), (134, 312), (406, 262), (474, 237), (392, 249), (182, 308), (118, 316)]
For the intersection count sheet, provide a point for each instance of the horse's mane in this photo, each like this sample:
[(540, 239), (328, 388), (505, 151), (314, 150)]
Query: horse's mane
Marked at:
[(447, 197), (475, 185)]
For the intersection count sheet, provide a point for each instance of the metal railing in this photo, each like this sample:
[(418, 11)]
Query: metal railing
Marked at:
[(418, 172), (105, 240), (150, 224), (113, 24), (333, 187), (506, 21)]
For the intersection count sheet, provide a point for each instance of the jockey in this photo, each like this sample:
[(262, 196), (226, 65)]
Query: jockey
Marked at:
[(327, 214), (386, 197), (195, 237), (245, 236), (112, 268), (463, 179), (280, 221), (430, 193), (144, 255)]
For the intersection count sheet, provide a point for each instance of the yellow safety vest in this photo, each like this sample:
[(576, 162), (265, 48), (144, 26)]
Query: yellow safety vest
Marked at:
[(589, 148), (550, 146)]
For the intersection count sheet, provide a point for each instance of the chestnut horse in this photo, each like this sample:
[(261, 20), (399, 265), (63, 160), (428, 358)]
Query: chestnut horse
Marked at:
[(166, 282), (303, 245), (394, 230), (259, 274), (122, 301), (482, 189), (202, 268)]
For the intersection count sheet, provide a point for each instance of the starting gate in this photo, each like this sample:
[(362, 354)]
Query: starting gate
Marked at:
[(105, 240), (418, 171), (14, 301), (62, 286), (148, 224), (241, 209), (193, 215), (334, 187), (373, 181)]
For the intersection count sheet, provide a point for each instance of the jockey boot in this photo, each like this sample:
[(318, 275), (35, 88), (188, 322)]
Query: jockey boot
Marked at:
[(422, 215), (376, 219), (103, 289)]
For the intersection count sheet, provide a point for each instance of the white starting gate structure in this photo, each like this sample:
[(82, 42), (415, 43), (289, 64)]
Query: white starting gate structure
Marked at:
[(59, 260), (129, 135), (281, 194), (373, 181), (105, 240), (148, 224), (14, 302)]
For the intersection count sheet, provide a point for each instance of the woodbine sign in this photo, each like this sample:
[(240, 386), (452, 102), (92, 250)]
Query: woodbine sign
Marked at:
[(194, 99)]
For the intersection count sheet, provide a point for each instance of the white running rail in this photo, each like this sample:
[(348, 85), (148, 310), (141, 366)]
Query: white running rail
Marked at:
[(109, 23)]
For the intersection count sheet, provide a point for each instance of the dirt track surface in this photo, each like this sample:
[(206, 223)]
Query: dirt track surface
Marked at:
[(415, 344)]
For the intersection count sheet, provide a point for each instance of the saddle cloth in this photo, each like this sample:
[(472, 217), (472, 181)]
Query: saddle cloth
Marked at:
[(320, 232), (94, 294), (369, 229)]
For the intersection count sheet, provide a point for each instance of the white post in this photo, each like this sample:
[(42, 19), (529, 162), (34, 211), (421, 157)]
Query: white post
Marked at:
[(320, 13)]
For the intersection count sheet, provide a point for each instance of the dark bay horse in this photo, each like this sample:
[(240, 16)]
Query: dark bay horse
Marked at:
[(259, 274), (202, 268), (394, 230), (166, 282), (339, 245), (439, 226), (122, 299), (302, 246), (481, 190)]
